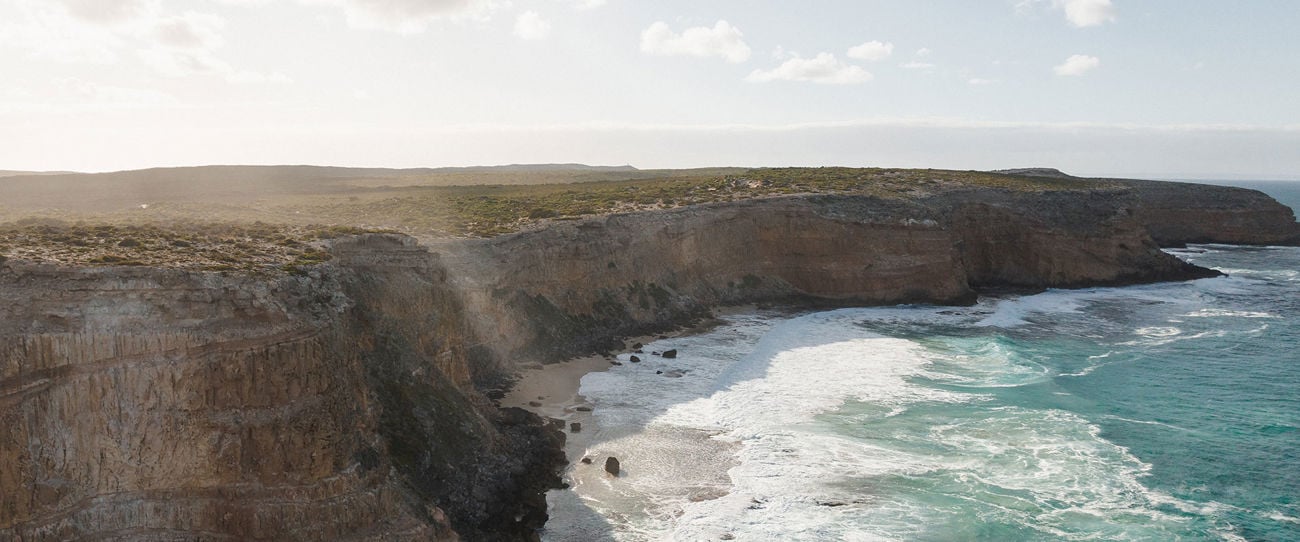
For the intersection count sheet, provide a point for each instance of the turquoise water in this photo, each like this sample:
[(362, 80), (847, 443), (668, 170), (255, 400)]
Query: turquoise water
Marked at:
[(1161, 412), (1197, 385)]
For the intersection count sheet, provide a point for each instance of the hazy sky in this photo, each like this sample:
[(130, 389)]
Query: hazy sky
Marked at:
[(1155, 88)]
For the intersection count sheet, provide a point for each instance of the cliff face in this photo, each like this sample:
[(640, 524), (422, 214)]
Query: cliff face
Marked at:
[(148, 404), (573, 287), (1179, 213), (349, 403)]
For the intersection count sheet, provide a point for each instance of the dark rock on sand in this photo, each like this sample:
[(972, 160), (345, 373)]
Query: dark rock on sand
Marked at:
[(611, 465)]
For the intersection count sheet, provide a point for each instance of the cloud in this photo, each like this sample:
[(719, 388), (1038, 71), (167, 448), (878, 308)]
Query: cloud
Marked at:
[(823, 68), (191, 31), (180, 63), (586, 4), (1080, 13), (531, 26), (1083, 13), (185, 45), (410, 16), (108, 11), (871, 51), (916, 65), (1077, 65), (89, 93), (977, 82), (723, 41), (49, 33), (105, 32), (923, 52)]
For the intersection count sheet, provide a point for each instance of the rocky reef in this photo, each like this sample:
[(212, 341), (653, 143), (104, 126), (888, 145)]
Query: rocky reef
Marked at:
[(351, 400)]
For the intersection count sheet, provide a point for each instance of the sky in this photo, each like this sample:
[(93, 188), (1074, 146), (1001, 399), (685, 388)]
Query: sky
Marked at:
[(1140, 88)]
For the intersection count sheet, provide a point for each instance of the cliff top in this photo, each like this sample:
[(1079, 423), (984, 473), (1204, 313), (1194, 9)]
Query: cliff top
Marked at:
[(260, 218)]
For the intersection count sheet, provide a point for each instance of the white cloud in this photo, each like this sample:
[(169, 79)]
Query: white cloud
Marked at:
[(88, 93), (916, 65), (1080, 13), (586, 4), (47, 32), (723, 41), (185, 45), (186, 63), (108, 11), (1083, 13), (105, 32), (191, 31), (1077, 65), (872, 51), (531, 26), (410, 16), (977, 82), (923, 52), (823, 68)]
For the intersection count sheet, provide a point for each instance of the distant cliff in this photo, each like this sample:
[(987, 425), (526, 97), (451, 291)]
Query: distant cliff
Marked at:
[(1180, 213), (351, 401)]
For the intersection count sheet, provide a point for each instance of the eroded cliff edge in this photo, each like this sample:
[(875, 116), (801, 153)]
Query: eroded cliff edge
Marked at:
[(350, 402)]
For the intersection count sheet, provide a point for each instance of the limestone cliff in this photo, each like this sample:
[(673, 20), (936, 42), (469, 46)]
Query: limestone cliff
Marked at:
[(151, 404), (350, 402), (1179, 213), (573, 287)]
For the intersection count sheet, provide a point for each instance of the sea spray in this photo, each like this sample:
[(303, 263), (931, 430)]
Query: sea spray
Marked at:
[(1156, 412)]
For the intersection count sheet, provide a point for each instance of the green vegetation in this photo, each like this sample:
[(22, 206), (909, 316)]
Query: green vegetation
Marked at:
[(484, 211), (257, 248), (193, 225)]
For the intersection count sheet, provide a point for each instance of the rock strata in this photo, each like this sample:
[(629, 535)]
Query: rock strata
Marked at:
[(351, 401)]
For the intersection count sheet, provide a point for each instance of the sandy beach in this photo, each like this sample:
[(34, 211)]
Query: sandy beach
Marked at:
[(551, 390)]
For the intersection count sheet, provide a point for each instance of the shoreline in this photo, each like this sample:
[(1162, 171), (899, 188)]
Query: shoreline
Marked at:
[(552, 391)]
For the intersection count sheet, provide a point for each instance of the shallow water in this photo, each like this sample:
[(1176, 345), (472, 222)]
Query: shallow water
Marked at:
[(1159, 412)]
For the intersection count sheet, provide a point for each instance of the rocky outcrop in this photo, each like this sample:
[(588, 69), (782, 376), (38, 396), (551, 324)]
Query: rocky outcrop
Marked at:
[(350, 402), (575, 287), (1179, 213), (149, 404)]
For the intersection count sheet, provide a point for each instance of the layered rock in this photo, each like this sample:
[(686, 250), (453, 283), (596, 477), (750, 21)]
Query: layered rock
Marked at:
[(574, 287), (349, 402), (151, 404), (1179, 213)]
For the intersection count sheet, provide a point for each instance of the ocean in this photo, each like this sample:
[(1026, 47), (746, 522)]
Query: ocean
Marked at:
[(1157, 412)]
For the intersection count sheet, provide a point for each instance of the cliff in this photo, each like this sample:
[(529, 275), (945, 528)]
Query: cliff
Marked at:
[(350, 401), (574, 287), (152, 404), (1179, 213)]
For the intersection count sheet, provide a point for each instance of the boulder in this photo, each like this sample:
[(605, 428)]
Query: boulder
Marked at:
[(670, 354), (611, 465), (575, 427), (634, 359)]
